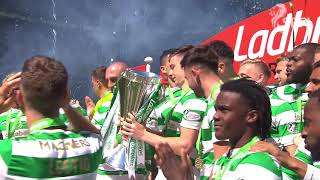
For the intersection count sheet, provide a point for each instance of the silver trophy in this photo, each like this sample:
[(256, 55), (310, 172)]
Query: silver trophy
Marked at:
[(135, 87), (135, 91)]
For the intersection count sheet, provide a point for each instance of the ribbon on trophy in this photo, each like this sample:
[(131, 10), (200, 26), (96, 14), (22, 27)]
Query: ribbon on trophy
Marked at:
[(137, 91), (110, 126), (136, 148)]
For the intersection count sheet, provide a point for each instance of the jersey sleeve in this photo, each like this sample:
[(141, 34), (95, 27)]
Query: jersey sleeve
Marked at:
[(194, 110), (313, 173), (283, 123)]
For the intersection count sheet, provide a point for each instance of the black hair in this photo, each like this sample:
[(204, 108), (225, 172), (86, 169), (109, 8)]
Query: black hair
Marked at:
[(257, 99), (310, 47), (222, 49)]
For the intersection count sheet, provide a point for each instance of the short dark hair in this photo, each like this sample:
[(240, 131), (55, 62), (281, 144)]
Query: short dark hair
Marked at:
[(44, 82), (99, 74), (310, 47), (165, 54), (201, 55), (222, 49), (257, 99), (182, 50)]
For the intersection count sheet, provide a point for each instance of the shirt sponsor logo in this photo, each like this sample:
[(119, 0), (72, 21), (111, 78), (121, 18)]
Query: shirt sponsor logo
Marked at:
[(17, 133), (64, 167), (153, 123), (63, 145), (191, 116)]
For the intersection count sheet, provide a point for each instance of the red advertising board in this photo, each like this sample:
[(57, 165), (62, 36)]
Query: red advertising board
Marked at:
[(272, 32), (140, 68)]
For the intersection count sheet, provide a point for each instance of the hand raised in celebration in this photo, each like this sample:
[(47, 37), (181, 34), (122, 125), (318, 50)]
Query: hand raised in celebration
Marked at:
[(130, 127), (7, 91), (90, 106), (172, 167)]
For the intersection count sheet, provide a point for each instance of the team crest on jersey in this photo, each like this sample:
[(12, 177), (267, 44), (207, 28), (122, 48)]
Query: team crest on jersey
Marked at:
[(191, 116), (173, 125), (292, 128), (153, 123)]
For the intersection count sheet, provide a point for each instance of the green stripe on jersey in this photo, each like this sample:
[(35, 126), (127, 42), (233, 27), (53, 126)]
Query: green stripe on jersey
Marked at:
[(159, 115), (77, 107), (101, 112), (294, 94), (207, 138), (248, 166), (21, 129), (52, 153), (283, 126), (188, 113)]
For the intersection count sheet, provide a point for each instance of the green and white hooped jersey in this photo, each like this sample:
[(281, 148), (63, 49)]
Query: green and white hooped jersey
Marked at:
[(252, 165), (13, 119), (303, 155), (160, 113), (75, 105), (102, 109), (56, 154), (207, 135), (243, 164), (296, 96), (188, 113), (283, 123), (207, 139)]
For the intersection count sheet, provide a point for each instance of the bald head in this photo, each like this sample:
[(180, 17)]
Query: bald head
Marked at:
[(113, 71)]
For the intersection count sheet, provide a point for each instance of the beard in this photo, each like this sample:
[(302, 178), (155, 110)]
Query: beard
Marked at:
[(199, 92), (301, 76), (315, 156), (197, 89)]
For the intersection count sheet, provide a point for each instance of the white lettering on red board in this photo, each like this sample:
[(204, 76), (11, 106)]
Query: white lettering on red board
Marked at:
[(267, 39)]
